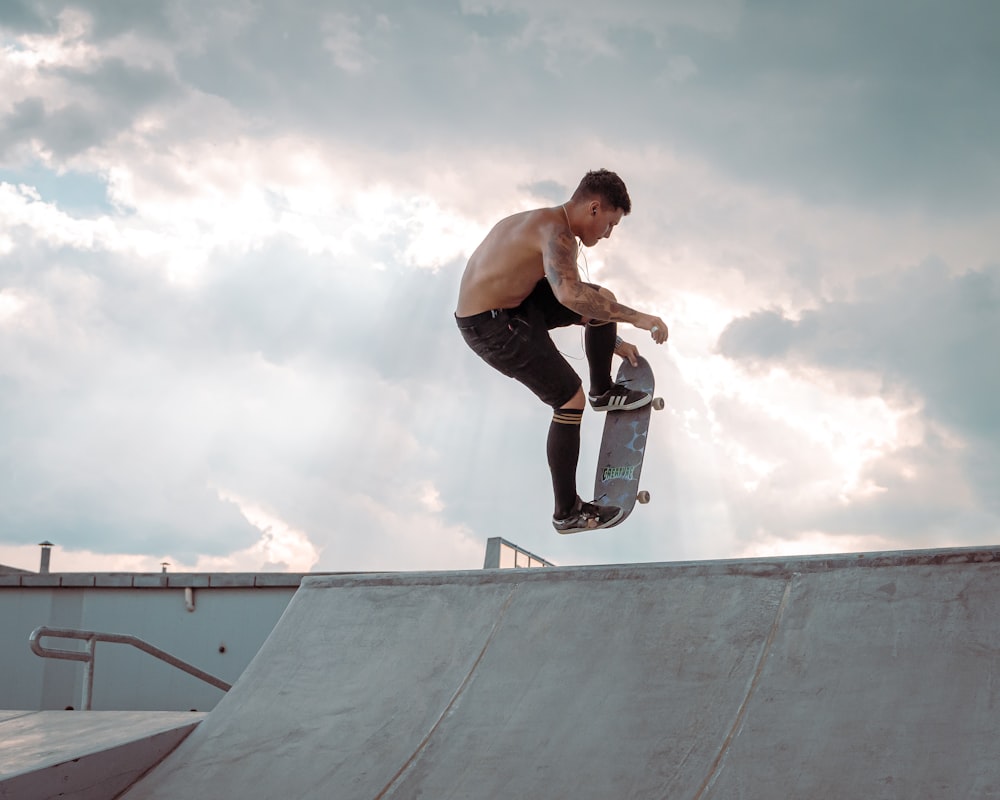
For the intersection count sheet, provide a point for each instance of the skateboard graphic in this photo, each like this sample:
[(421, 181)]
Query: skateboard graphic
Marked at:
[(623, 445)]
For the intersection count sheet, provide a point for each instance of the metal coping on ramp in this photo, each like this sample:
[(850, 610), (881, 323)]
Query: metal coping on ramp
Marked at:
[(868, 675)]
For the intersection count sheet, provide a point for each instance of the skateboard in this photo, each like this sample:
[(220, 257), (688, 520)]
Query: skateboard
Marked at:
[(623, 445)]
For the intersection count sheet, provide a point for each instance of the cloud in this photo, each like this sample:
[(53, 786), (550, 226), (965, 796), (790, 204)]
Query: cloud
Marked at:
[(133, 397), (22, 15), (835, 104), (922, 330), (917, 340), (231, 236)]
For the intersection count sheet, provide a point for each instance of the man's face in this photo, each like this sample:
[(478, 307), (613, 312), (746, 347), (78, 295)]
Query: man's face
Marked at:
[(602, 222)]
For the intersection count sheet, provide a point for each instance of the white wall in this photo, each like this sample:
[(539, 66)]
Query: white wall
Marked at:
[(220, 636)]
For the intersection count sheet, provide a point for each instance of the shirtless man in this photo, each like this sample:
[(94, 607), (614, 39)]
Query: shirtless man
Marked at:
[(521, 282)]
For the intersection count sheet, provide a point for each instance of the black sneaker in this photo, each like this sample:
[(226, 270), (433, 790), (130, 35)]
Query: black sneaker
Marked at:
[(619, 398), (587, 517)]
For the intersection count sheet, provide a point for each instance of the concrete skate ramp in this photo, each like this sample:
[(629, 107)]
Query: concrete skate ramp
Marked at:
[(845, 677)]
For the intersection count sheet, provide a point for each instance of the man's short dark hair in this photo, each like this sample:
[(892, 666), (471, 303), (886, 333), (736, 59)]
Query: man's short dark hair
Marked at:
[(608, 186)]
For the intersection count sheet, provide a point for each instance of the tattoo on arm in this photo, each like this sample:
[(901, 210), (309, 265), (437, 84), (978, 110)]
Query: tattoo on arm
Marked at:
[(563, 275), (591, 303), (560, 261)]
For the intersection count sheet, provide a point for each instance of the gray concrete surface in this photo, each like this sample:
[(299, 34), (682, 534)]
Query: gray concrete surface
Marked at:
[(83, 755), (842, 677)]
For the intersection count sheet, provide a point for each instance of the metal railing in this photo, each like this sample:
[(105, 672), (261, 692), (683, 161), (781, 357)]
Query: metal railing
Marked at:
[(87, 656), (501, 554)]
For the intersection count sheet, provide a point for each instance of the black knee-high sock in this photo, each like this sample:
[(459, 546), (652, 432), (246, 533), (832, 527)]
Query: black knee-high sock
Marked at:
[(563, 449), (599, 344)]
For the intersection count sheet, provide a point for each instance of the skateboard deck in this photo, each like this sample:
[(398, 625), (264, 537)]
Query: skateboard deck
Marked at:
[(619, 463)]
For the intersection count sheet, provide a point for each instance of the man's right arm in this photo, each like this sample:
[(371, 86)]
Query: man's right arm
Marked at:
[(559, 260)]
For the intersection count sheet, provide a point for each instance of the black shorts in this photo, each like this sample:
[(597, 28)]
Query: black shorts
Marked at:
[(516, 342)]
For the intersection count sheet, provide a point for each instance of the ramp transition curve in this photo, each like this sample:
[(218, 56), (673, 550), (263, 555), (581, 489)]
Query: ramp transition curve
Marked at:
[(871, 676)]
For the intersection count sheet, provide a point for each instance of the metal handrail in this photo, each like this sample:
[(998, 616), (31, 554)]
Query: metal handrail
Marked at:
[(92, 638)]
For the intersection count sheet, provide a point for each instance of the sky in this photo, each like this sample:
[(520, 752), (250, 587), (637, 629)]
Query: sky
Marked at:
[(232, 231)]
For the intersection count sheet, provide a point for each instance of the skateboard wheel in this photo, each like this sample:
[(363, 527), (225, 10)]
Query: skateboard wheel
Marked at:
[(642, 497), (658, 403)]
